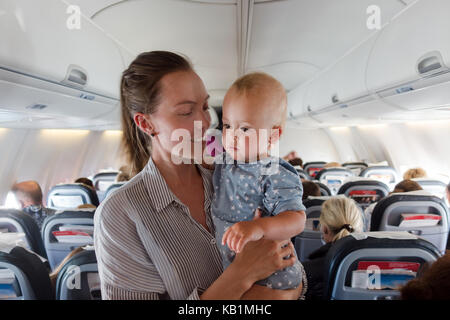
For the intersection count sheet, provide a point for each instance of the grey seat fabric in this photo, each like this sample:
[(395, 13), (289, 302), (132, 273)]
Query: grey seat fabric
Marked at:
[(386, 216), (374, 249), (435, 187), (78, 278), (32, 281), (333, 178), (57, 251), (355, 167), (102, 181), (70, 196), (384, 174), (18, 221)]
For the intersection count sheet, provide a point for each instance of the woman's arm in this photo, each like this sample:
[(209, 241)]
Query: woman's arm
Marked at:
[(258, 260)]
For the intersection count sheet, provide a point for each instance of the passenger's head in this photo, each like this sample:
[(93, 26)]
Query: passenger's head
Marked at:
[(310, 189), (332, 165), (339, 217), (124, 174), (291, 155), (160, 93), (296, 162), (27, 193), (85, 181), (253, 115), (433, 284), (414, 173), (407, 186)]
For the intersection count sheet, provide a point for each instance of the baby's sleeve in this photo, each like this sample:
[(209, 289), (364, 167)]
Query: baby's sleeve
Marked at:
[(283, 192)]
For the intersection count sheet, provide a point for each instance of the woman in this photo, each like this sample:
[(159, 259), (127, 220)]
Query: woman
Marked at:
[(340, 217), (154, 236)]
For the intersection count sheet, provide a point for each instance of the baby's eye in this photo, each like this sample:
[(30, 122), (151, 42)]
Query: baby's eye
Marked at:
[(226, 126), (244, 129)]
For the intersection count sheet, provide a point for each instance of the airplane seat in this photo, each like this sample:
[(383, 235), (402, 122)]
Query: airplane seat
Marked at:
[(324, 190), (312, 168), (113, 187), (334, 177), (371, 265), (301, 173), (78, 278), (385, 174), (24, 276), (364, 191), (435, 187), (355, 167), (70, 196), (66, 231), (12, 220), (311, 238), (416, 212), (102, 181)]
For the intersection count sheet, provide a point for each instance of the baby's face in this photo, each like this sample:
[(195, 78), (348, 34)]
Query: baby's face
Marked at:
[(247, 125)]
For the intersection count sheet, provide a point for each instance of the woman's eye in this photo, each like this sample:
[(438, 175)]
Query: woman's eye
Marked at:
[(206, 107), (186, 114)]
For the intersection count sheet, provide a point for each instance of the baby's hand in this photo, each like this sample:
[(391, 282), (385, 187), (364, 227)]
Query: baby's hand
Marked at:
[(237, 236)]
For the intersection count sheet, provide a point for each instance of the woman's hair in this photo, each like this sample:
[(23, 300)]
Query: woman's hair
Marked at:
[(342, 216), (140, 91), (406, 186), (310, 189), (414, 173), (434, 284)]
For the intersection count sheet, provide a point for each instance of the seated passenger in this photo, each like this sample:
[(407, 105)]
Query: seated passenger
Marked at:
[(296, 162), (433, 284), (332, 165), (448, 194), (310, 189), (403, 186), (414, 173), (124, 174), (291, 155), (340, 217), (86, 181), (29, 196)]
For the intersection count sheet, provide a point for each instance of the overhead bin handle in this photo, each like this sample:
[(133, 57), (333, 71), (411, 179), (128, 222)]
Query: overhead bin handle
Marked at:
[(430, 63)]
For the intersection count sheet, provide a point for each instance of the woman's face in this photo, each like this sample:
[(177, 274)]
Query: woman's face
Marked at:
[(182, 117), (327, 235)]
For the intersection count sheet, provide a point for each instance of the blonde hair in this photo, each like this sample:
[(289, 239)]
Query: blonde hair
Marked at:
[(332, 165), (255, 82), (342, 216), (414, 173)]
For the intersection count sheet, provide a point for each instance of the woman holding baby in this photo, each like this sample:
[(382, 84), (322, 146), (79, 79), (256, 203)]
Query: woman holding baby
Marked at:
[(155, 236)]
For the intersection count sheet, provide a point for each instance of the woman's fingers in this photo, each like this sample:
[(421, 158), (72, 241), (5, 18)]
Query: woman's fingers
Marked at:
[(225, 236)]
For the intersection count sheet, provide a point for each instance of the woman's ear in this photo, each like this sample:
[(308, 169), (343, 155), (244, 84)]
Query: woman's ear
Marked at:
[(143, 122)]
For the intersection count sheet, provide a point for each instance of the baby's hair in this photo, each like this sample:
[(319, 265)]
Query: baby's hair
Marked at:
[(258, 82)]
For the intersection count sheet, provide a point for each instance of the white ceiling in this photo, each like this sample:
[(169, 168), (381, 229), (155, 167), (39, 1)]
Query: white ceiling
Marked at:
[(294, 40)]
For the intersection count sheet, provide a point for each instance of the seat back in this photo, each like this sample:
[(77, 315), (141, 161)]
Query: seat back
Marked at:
[(23, 276), (112, 188), (361, 266), (324, 190), (334, 177), (12, 220), (311, 238), (78, 278), (364, 192), (355, 167), (302, 174), (435, 187), (312, 168), (70, 196), (385, 174), (102, 181), (416, 212), (66, 231)]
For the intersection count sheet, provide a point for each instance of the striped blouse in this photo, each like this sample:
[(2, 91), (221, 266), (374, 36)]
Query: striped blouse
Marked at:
[(147, 244)]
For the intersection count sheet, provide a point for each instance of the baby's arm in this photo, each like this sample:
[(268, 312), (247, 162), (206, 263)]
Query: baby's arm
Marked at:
[(283, 226)]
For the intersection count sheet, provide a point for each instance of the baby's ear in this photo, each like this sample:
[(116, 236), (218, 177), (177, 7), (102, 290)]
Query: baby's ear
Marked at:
[(275, 134)]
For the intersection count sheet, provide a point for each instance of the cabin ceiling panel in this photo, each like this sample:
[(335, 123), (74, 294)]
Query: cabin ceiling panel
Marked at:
[(204, 31), (313, 33)]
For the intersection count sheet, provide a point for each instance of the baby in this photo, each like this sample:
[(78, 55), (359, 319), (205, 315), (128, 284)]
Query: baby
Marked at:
[(247, 178)]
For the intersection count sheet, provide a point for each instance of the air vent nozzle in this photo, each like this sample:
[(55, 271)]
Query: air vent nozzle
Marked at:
[(76, 76)]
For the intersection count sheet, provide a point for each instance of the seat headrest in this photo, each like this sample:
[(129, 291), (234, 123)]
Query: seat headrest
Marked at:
[(70, 196)]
